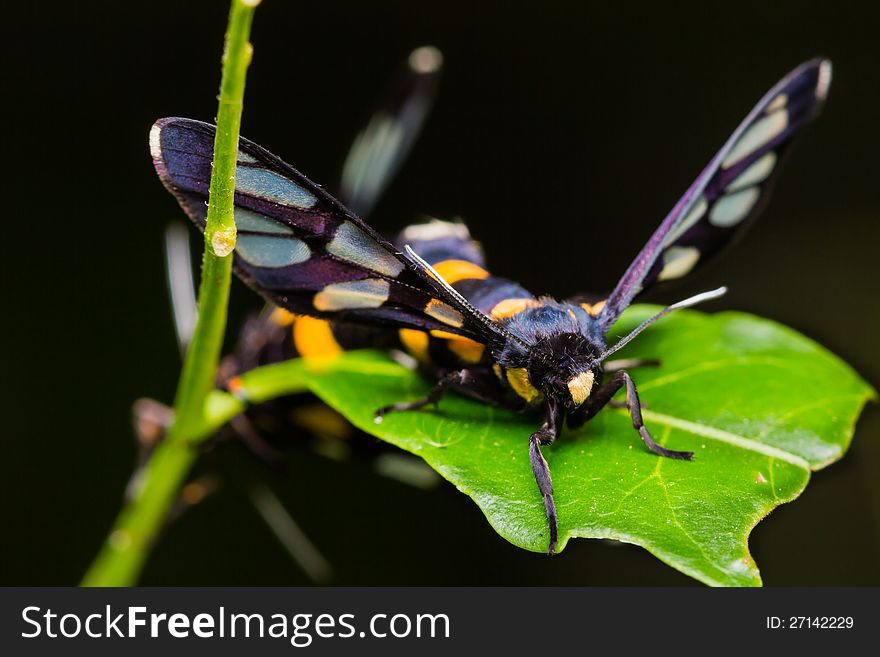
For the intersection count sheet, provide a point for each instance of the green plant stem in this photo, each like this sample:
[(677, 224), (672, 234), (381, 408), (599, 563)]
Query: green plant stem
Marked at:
[(127, 546), (200, 365)]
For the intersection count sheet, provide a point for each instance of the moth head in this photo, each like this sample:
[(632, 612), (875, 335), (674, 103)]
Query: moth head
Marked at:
[(565, 367)]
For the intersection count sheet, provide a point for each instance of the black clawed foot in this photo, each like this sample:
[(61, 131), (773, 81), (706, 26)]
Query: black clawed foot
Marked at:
[(635, 411), (675, 454), (662, 451)]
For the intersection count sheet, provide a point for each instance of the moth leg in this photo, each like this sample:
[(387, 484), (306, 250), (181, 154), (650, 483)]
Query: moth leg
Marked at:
[(548, 432), (449, 380), (602, 395), (635, 412), (597, 400), (626, 364), (630, 363)]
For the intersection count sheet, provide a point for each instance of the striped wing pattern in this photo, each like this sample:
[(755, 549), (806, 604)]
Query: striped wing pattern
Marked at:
[(298, 246)]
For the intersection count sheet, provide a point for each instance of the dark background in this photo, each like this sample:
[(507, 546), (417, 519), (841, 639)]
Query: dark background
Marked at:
[(563, 133)]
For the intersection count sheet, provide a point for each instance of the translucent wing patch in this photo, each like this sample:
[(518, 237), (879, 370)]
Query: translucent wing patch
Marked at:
[(383, 144), (731, 190), (299, 247)]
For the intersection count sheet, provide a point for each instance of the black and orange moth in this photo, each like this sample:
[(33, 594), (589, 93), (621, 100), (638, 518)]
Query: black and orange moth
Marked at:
[(338, 284)]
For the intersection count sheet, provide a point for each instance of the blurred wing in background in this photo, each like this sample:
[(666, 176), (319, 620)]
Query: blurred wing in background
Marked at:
[(384, 143)]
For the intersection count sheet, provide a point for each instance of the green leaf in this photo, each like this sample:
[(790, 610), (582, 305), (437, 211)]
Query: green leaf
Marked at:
[(759, 404)]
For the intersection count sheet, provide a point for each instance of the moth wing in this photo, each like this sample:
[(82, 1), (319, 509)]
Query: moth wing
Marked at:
[(385, 141), (731, 189), (299, 247)]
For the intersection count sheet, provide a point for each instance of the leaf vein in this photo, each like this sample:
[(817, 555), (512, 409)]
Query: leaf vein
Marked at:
[(707, 366), (723, 436), (675, 519)]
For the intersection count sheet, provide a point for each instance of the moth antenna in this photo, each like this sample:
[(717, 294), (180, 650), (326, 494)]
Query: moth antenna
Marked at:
[(464, 303), (686, 303)]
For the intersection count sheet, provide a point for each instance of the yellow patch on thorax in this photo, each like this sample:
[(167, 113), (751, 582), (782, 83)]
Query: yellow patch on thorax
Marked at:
[(594, 309), (453, 271), (510, 307), (580, 386), (313, 338), (518, 379)]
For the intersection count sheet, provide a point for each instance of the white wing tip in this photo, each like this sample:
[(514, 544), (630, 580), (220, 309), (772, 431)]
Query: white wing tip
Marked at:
[(155, 141), (426, 59), (824, 79)]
